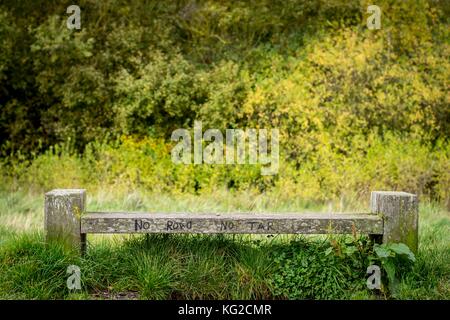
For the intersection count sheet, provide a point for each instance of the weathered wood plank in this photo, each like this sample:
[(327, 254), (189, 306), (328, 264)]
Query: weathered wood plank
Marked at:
[(300, 223)]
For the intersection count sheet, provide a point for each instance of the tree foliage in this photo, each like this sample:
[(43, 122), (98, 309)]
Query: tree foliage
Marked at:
[(310, 68)]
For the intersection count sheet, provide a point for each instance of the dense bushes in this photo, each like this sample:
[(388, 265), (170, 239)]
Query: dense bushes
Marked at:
[(392, 163), (357, 109)]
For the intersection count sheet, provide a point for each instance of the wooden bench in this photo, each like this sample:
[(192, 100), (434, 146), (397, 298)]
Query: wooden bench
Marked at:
[(393, 218)]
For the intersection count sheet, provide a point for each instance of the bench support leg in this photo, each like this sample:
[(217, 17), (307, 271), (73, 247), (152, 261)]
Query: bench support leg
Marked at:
[(83, 243), (400, 215), (376, 238), (63, 211)]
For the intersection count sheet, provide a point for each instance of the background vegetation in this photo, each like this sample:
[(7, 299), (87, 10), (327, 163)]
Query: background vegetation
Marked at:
[(357, 109)]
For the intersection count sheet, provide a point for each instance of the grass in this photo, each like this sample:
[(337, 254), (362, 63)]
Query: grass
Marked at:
[(206, 267)]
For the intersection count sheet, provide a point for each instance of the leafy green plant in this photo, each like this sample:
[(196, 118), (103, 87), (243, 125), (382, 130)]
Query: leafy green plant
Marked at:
[(317, 270), (395, 258)]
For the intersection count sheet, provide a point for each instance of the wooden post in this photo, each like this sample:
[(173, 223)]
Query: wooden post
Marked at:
[(83, 243), (400, 215), (63, 210)]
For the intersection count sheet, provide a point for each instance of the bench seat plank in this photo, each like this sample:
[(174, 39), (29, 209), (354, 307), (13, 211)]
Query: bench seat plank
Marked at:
[(250, 223)]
